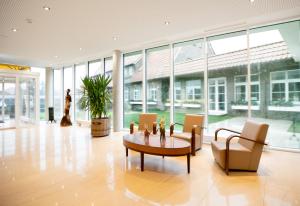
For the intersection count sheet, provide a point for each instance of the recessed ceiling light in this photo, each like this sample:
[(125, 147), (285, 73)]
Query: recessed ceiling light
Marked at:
[(55, 56), (14, 29), (167, 23), (46, 8), (115, 38), (251, 1), (80, 49)]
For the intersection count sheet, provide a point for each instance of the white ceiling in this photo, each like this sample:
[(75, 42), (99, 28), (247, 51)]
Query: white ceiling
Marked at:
[(92, 24)]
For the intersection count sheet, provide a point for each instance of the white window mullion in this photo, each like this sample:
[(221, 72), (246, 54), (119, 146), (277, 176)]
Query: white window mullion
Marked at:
[(171, 58), (144, 89)]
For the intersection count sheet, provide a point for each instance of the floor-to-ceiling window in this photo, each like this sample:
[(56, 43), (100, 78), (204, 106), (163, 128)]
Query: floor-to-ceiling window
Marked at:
[(133, 78), (80, 73), (7, 101), (158, 82), (189, 66), (108, 68), (27, 92), (227, 77), (58, 94), (42, 72), (69, 84), (275, 57), (95, 68)]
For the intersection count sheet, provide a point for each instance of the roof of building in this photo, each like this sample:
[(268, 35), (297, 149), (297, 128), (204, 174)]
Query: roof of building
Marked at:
[(158, 62)]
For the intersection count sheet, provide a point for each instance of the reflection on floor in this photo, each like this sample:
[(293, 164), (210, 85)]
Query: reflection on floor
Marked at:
[(49, 165)]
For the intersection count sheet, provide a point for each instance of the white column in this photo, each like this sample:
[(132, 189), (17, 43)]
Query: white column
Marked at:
[(117, 96), (49, 90)]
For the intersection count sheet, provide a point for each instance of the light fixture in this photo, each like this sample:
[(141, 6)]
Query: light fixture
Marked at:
[(46, 8), (55, 56), (251, 1), (14, 29), (167, 23), (115, 38)]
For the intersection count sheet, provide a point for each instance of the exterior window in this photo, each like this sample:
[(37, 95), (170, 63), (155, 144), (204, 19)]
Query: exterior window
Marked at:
[(285, 87), (153, 94), (240, 83), (126, 94), (137, 94), (177, 91), (193, 89)]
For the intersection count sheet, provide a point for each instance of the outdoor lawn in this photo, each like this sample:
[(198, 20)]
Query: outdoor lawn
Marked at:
[(295, 128), (178, 117)]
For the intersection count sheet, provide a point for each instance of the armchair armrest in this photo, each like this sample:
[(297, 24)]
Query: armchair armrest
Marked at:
[(245, 138), (220, 129)]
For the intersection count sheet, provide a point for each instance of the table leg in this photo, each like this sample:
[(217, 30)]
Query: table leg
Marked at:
[(188, 162), (126, 152), (142, 161)]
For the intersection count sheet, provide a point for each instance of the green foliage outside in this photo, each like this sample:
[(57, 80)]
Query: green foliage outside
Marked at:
[(297, 127)]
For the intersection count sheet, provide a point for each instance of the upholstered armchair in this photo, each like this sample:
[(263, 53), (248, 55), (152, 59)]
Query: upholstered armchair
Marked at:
[(244, 154), (145, 120), (192, 131)]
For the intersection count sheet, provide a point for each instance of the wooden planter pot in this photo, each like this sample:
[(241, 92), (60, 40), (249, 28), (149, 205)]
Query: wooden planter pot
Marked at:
[(100, 127)]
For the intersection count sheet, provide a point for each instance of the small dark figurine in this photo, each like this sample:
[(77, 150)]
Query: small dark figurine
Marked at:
[(66, 120)]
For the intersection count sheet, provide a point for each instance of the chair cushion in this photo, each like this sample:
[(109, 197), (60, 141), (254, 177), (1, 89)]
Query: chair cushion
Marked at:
[(239, 155)]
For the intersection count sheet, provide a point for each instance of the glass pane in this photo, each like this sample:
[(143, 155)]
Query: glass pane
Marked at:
[(7, 102), (80, 73), (108, 68), (27, 99), (133, 77), (95, 68), (189, 79), (58, 94), (42, 72), (158, 76), (276, 59), (227, 77), (277, 75)]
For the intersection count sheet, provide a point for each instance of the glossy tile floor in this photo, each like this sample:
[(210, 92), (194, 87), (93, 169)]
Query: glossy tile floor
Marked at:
[(49, 165)]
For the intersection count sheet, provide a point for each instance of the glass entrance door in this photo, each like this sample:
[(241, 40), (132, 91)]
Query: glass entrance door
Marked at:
[(7, 101), (217, 96)]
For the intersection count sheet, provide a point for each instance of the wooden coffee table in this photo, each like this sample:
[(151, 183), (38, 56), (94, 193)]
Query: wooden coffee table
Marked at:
[(152, 145)]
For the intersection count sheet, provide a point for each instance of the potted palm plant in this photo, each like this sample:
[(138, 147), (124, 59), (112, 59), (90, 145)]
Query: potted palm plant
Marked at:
[(96, 98)]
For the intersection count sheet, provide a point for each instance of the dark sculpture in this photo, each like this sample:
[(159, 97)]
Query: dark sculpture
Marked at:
[(66, 121)]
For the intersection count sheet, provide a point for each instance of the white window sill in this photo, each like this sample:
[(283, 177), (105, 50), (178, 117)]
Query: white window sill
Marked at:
[(244, 107), (284, 108)]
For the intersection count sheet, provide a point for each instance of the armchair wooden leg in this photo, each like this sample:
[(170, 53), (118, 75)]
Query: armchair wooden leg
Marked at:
[(193, 142)]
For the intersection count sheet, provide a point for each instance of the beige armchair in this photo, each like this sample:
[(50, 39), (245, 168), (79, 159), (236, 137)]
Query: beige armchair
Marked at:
[(192, 131), (145, 119), (244, 154)]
